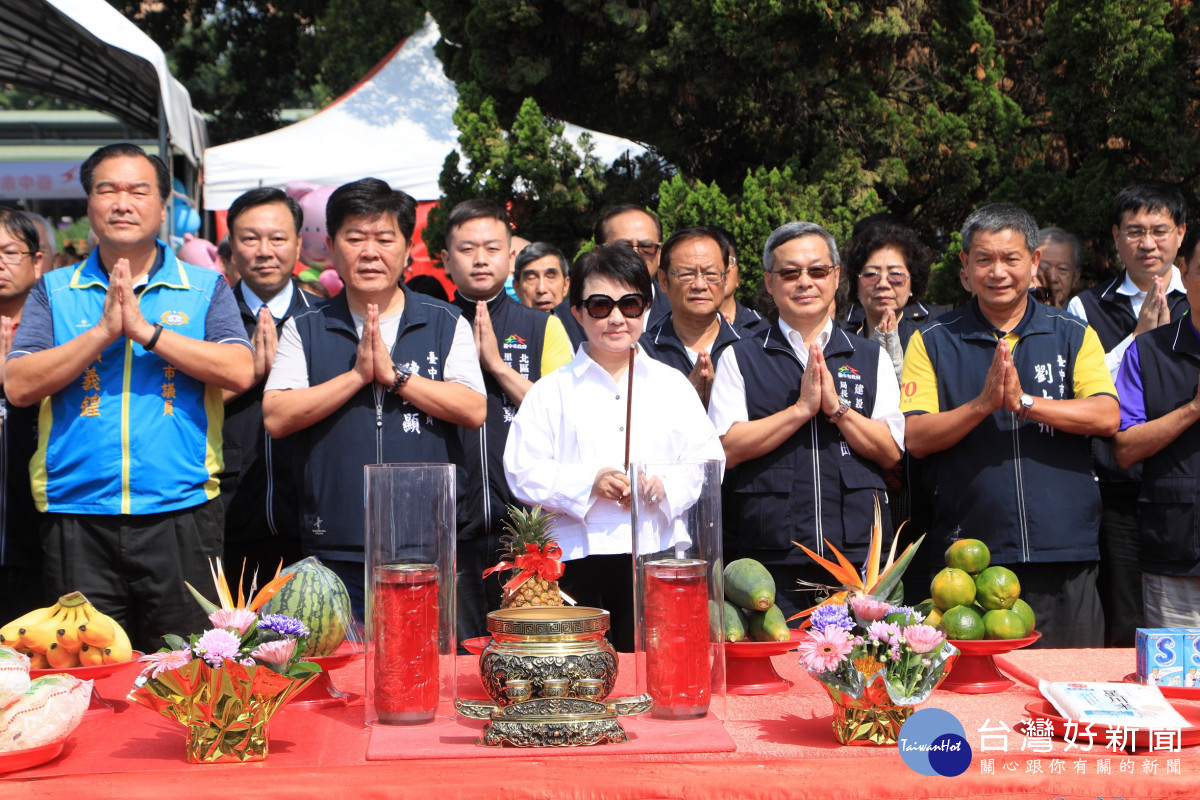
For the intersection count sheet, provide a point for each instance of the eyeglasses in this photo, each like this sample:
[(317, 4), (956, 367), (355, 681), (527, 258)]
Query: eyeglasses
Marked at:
[(818, 272), (712, 278), (896, 277), (1158, 233), (13, 257), (647, 249), (600, 306)]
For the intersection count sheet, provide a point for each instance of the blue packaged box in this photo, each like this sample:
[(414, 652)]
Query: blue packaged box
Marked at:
[(1168, 656)]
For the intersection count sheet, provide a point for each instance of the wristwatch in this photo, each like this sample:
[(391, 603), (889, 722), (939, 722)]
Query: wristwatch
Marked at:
[(843, 407), (403, 373), (1026, 404)]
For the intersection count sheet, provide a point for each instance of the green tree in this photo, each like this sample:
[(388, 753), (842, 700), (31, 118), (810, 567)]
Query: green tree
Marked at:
[(553, 191), (242, 62)]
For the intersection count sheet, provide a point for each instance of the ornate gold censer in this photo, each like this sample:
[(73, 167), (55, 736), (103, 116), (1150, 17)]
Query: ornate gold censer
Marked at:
[(549, 671)]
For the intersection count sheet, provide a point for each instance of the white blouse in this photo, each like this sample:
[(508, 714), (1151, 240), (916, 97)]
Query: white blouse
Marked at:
[(571, 424)]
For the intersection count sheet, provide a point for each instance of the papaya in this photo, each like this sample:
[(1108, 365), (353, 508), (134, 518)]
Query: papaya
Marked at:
[(768, 626), (749, 585), (735, 623)]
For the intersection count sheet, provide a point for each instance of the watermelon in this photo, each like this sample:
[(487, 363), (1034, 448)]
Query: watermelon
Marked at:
[(317, 597)]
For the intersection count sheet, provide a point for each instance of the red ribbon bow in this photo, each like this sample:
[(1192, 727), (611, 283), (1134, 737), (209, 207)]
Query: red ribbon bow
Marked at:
[(544, 563)]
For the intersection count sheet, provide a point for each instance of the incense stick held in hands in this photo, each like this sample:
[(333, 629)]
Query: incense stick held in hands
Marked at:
[(629, 405)]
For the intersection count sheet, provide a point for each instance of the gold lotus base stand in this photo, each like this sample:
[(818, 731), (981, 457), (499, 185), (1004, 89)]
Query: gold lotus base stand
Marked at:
[(554, 721)]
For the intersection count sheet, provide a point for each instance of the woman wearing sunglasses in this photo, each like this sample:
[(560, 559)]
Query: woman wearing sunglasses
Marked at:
[(887, 270), (566, 446)]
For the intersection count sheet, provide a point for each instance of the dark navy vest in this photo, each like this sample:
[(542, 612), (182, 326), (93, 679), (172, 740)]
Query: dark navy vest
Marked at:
[(373, 427), (1170, 540), (520, 335), (812, 487), (1111, 316), (1024, 488), (662, 344)]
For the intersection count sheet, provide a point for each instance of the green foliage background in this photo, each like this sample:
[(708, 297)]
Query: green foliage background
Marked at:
[(756, 111)]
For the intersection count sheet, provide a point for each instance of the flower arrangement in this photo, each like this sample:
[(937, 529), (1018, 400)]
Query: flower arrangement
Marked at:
[(876, 659), (225, 683)]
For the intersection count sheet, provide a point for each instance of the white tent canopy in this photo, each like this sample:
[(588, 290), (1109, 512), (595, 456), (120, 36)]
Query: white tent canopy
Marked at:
[(87, 51), (397, 124)]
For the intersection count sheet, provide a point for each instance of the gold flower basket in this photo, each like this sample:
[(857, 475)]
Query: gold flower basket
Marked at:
[(872, 719), (226, 710)]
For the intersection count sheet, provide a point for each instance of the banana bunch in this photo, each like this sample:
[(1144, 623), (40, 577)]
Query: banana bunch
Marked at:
[(70, 633)]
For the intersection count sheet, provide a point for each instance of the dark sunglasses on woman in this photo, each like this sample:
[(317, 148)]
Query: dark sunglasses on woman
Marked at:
[(600, 306)]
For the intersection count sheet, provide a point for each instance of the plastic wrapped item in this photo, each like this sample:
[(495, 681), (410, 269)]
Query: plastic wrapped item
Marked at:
[(14, 675), (47, 712)]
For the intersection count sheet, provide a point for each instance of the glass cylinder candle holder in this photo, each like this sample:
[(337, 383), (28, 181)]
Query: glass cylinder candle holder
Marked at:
[(679, 642), (410, 532)]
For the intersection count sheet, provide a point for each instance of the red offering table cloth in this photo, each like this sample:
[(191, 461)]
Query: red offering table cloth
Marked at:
[(785, 749)]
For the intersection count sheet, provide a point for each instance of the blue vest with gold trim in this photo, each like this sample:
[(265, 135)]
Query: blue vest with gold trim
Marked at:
[(133, 434)]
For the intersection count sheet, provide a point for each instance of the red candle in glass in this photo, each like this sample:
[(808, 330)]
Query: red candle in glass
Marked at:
[(405, 607), (678, 671)]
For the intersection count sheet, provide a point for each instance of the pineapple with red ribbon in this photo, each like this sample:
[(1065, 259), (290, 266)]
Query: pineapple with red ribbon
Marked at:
[(532, 551)]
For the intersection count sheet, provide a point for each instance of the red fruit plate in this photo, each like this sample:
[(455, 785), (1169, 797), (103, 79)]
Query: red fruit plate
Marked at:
[(974, 669), (1179, 692), (321, 692), (109, 673), (748, 668), (1143, 738), (24, 759)]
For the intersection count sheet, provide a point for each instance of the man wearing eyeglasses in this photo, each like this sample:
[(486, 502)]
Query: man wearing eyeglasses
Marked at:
[(1000, 397), (1148, 225), (809, 414), (636, 227), (692, 336)]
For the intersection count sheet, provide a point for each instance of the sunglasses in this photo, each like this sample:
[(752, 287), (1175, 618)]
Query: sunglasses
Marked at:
[(600, 306)]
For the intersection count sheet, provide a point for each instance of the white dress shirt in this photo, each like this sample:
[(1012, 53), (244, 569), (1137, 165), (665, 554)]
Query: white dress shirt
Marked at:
[(572, 424), (727, 399), (1112, 359), (279, 304)]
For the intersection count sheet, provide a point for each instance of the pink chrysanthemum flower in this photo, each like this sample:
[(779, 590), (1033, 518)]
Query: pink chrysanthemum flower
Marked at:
[(823, 651), (923, 638), (239, 619), (277, 652), (217, 645), (884, 632), (869, 609), (165, 662)]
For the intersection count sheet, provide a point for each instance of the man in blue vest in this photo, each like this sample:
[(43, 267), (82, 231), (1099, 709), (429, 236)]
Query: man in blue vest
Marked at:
[(1148, 223), (1001, 397), (1157, 384), (809, 414), (261, 526), (516, 345), (693, 334), (378, 375), (127, 354)]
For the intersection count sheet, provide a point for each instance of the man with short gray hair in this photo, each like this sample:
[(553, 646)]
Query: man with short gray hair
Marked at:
[(808, 415), (1000, 398)]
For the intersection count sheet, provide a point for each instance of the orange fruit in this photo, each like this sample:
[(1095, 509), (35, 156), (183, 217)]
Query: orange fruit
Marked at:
[(997, 587), (934, 617), (1003, 624), (952, 587), (961, 622), (1026, 614), (969, 555)]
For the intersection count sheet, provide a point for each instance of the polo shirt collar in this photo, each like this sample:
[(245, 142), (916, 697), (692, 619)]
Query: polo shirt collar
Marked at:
[(1036, 320), (165, 271)]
